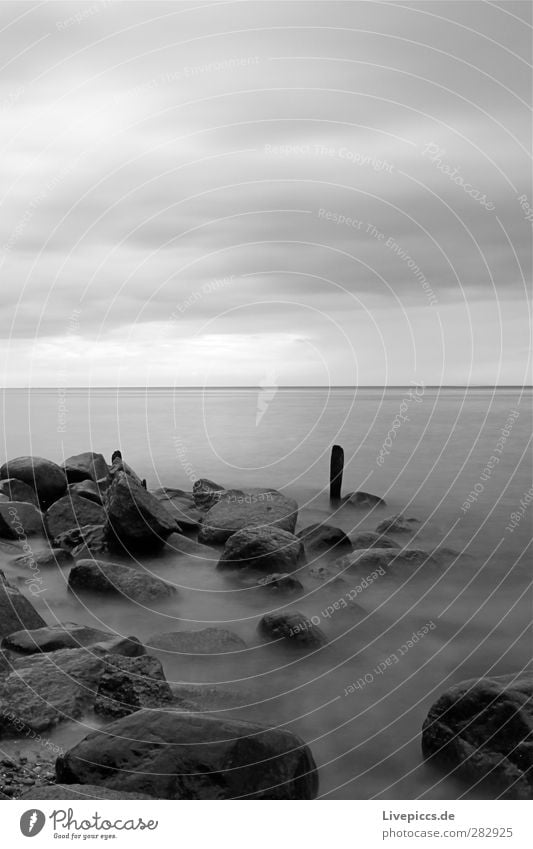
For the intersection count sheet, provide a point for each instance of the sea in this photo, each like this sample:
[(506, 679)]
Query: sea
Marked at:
[(456, 459)]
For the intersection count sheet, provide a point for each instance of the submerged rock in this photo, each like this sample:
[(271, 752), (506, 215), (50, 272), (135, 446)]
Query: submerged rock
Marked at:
[(192, 756), (206, 641), (86, 466), (72, 511), (322, 539), (116, 578), (384, 558), (364, 499), (79, 791), (180, 544), (129, 684), (16, 611), (18, 520), (67, 635), (281, 583), (47, 479), (48, 559), (262, 549), (16, 490), (370, 539), (483, 730), (397, 524), (136, 520), (292, 626), (250, 509)]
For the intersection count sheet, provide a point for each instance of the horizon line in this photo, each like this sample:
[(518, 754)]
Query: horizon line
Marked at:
[(287, 386)]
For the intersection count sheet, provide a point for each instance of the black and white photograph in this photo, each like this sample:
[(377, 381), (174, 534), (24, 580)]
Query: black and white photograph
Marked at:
[(266, 478)]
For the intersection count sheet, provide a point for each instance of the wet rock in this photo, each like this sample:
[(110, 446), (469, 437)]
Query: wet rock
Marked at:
[(280, 582), (369, 539), (181, 507), (87, 489), (16, 490), (78, 791), (384, 558), (72, 511), (125, 646), (364, 499), (45, 689), (52, 557), (136, 521), (85, 542), (129, 684), (18, 520), (206, 641), (118, 465), (86, 466), (483, 730), (47, 479), (205, 493), (324, 539), (397, 524), (16, 611), (67, 635), (262, 549), (116, 578), (192, 756), (20, 774), (253, 508), (293, 627), (180, 544)]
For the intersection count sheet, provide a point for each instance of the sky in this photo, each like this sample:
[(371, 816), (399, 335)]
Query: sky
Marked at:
[(292, 193)]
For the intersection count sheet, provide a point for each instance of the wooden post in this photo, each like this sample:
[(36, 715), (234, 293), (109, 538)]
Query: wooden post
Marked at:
[(336, 469)]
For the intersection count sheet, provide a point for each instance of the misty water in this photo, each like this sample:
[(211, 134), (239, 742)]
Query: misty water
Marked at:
[(367, 742)]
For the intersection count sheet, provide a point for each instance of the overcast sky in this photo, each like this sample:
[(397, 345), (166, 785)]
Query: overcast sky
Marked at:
[(174, 178)]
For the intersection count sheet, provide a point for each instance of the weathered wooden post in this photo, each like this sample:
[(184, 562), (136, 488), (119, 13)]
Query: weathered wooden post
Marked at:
[(336, 469)]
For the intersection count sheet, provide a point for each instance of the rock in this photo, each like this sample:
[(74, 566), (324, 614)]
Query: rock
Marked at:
[(384, 558), (67, 635), (253, 508), (47, 479), (397, 524), (45, 689), (18, 520), (16, 490), (291, 626), (206, 641), (262, 549), (72, 511), (183, 511), (49, 559), (369, 539), (364, 499), (324, 539), (83, 542), (483, 730), (129, 684), (118, 465), (205, 492), (281, 583), (180, 544), (125, 646), (78, 791), (86, 466), (16, 611), (117, 578), (87, 489), (136, 521), (192, 756)]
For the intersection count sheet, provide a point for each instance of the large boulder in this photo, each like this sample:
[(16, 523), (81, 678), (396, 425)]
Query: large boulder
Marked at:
[(206, 641), (89, 490), (16, 490), (181, 506), (482, 729), (48, 559), (136, 520), (116, 578), (47, 479), (263, 549), (206, 493), (72, 511), (80, 792), (370, 539), (128, 684), (397, 524), (67, 635), (19, 520), (192, 756), (293, 627), (324, 539), (86, 466), (253, 508), (16, 611), (87, 541)]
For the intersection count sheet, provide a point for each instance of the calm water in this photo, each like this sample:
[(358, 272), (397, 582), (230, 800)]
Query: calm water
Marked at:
[(367, 744)]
